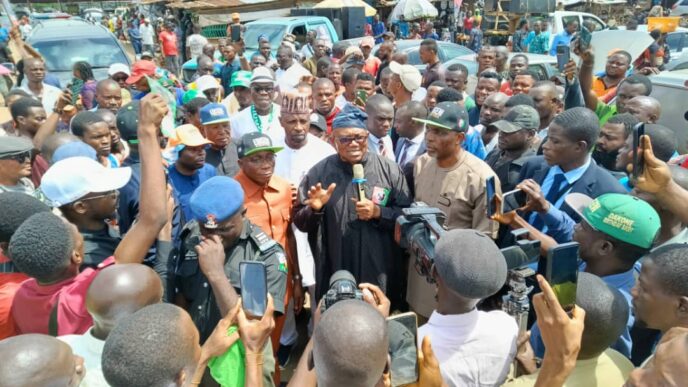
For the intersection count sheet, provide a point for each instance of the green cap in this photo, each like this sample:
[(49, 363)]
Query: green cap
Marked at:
[(620, 216), (241, 78), (518, 118), (253, 142), (189, 95), (447, 115)]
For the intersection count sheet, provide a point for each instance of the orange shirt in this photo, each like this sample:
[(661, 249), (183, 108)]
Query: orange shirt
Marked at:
[(372, 64), (9, 284), (602, 91), (268, 207)]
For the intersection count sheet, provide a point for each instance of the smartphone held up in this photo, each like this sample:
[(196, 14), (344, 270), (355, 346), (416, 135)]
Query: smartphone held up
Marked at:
[(254, 288)]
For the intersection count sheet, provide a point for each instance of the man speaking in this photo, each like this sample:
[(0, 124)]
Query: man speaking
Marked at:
[(357, 233)]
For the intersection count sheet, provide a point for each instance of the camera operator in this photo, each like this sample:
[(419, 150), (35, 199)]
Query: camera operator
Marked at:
[(473, 347), (453, 180), (606, 313)]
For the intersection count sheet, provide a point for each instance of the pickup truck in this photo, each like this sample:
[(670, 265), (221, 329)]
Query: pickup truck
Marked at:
[(555, 24), (275, 28)]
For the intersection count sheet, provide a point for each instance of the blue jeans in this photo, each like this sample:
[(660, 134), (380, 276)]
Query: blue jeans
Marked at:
[(136, 43)]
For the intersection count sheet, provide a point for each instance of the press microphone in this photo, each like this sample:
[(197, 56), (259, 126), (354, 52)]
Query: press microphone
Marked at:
[(358, 181)]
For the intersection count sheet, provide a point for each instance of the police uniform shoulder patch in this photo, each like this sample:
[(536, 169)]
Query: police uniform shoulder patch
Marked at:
[(282, 262), (262, 240)]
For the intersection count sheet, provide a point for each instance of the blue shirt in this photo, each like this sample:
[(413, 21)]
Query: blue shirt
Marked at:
[(623, 282), (4, 34), (562, 38), (184, 186), (432, 35), (378, 29), (473, 143)]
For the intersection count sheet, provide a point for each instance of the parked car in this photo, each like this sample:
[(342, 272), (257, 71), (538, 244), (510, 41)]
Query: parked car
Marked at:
[(680, 8), (64, 42), (274, 29), (447, 51), (678, 44), (544, 66), (668, 87)]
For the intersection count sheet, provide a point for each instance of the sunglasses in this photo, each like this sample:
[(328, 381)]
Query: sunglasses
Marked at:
[(110, 194), (346, 140), (263, 90), (20, 157), (120, 79)]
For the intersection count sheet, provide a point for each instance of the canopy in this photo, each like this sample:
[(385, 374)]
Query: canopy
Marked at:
[(369, 11), (412, 10), (605, 41)]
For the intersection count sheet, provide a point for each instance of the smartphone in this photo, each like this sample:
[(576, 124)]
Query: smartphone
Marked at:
[(491, 192), (584, 38), (563, 56), (515, 196), (235, 31), (75, 87), (638, 132), (254, 288), (361, 97), (562, 273), (403, 348)]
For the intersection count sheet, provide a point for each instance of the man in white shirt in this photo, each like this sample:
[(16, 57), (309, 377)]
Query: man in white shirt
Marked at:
[(195, 43), (147, 32), (474, 348), (302, 151), (492, 111), (117, 292), (263, 115), (380, 116), (290, 72), (411, 132), (34, 69)]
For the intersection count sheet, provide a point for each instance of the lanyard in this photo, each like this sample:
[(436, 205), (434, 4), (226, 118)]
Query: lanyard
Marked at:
[(256, 119)]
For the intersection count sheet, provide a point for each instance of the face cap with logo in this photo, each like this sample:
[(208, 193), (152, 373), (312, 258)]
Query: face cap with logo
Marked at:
[(253, 142), (214, 113), (128, 122), (447, 115), (187, 135), (241, 79), (318, 121), (71, 179), (623, 217), (208, 208), (519, 117)]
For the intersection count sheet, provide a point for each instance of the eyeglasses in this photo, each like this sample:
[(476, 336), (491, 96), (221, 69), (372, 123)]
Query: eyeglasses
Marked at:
[(120, 79), (346, 140), (20, 157), (114, 194), (263, 90), (260, 160)]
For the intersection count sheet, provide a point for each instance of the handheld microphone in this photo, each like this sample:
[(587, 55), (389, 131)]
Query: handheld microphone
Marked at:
[(358, 181)]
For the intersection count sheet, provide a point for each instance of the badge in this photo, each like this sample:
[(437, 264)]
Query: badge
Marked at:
[(282, 260), (380, 196), (210, 222)]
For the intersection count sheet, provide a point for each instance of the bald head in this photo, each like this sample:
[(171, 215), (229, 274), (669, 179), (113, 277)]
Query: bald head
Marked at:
[(377, 102), (380, 115), (109, 95), (400, 57), (645, 109), (350, 345), (38, 360), (119, 291), (497, 98), (53, 142), (323, 82)]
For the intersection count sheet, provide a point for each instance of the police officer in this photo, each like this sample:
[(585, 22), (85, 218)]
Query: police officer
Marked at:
[(212, 245)]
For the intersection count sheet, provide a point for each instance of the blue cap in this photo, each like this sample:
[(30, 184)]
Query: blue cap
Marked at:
[(214, 113), (73, 149), (350, 117), (209, 208)]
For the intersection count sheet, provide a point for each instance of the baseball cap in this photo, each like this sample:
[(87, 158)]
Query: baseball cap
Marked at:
[(624, 217), (519, 117), (253, 142), (318, 121), (139, 70), (214, 113), (73, 149), (10, 146), (118, 68), (410, 76), (367, 41), (147, 54), (208, 208), (128, 122), (447, 115), (241, 78), (262, 74), (206, 82), (70, 179), (187, 135)]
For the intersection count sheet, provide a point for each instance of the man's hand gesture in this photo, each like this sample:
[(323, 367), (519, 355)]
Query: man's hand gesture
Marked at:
[(318, 197), (152, 111), (211, 256), (656, 175)]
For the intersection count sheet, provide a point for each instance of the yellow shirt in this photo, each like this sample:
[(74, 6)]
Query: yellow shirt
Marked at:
[(126, 97), (609, 369)]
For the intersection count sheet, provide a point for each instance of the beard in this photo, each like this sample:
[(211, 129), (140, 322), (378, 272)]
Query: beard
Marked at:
[(606, 160)]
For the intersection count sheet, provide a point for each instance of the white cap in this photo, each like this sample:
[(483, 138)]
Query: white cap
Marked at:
[(206, 82), (71, 179), (118, 68), (262, 74), (410, 76)]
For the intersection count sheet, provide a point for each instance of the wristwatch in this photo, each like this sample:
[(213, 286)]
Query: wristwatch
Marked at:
[(296, 277)]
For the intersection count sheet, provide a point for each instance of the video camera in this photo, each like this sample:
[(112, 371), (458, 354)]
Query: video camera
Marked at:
[(418, 230), (342, 287)]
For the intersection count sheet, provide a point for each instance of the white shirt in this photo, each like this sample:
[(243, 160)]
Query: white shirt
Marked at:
[(374, 145), (49, 96), (242, 123), (419, 94), (340, 101), (195, 43), (91, 349), (410, 148), (292, 165), (147, 33), (25, 30), (473, 349), (288, 79)]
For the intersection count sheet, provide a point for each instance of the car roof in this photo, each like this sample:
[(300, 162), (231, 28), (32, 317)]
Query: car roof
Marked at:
[(68, 28), (678, 78), (286, 19)]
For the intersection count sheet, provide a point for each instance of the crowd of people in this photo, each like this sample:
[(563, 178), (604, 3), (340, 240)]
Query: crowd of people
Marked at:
[(128, 208)]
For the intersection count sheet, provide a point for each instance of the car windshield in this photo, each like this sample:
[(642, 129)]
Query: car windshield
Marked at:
[(60, 55), (274, 32)]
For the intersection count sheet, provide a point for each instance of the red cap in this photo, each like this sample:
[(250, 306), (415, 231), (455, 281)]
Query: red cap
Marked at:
[(139, 69)]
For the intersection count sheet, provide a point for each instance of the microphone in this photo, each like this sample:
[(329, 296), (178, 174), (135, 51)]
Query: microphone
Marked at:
[(358, 181)]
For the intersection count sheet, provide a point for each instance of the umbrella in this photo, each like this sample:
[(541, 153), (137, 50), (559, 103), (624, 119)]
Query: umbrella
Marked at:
[(369, 11), (412, 10)]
